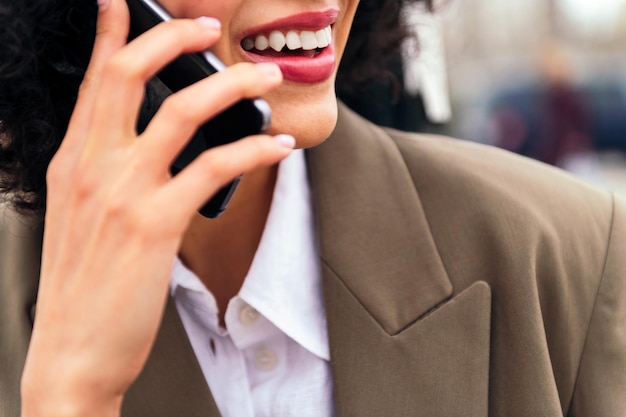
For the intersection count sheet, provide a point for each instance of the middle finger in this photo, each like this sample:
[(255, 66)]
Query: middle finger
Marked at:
[(122, 86), (184, 112)]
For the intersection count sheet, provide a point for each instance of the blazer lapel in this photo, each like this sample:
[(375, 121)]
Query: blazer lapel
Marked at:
[(400, 345), (171, 383)]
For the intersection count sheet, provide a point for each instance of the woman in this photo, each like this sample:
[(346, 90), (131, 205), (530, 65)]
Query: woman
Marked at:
[(456, 279)]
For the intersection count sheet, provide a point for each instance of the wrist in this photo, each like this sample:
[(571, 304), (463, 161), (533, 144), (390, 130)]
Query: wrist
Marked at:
[(37, 406), (63, 400)]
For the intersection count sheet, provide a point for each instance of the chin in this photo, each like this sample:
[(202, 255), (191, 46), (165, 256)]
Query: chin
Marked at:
[(308, 113)]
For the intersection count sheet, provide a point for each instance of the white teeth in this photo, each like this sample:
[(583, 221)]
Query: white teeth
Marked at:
[(306, 40), (277, 40), (322, 40), (261, 43), (293, 40)]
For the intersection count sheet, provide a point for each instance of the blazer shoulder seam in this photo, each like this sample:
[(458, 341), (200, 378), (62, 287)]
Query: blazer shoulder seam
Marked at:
[(610, 238)]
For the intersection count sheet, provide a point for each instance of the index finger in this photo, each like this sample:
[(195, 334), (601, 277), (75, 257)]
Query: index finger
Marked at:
[(111, 34)]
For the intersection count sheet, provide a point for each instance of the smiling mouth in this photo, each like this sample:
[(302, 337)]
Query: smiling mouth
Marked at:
[(304, 43)]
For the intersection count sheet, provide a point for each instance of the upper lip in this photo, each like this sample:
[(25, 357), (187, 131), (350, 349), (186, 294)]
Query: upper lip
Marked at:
[(311, 20)]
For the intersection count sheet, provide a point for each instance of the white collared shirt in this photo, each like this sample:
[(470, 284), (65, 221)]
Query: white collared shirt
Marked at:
[(272, 358)]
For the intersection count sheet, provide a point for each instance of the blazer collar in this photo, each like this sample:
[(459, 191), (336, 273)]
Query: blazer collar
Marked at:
[(382, 274), (399, 344), (373, 232)]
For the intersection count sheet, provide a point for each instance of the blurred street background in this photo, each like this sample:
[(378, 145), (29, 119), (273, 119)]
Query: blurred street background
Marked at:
[(543, 78)]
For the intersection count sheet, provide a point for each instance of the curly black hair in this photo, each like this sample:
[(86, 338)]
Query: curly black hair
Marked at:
[(46, 45)]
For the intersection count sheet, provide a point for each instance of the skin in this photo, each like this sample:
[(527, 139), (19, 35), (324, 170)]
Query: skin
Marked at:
[(228, 243), (104, 243), (310, 124)]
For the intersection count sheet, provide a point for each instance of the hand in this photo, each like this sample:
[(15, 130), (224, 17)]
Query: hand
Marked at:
[(108, 250)]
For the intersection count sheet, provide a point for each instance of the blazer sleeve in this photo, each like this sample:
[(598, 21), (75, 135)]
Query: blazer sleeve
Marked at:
[(600, 388)]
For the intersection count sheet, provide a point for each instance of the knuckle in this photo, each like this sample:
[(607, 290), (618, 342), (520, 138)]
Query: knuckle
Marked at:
[(56, 172), (179, 109), (257, 146), (119, 66), (178, 26), (88, 83), (135, 223), (118, 207), (122, 211), (85, 182), (212, 167), (183, 29), (247, 77), (138, 222), (249, 82), (105, 29), (176, 33)]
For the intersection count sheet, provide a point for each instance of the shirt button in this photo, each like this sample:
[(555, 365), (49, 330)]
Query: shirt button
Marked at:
[(248, 315), (265, 360)]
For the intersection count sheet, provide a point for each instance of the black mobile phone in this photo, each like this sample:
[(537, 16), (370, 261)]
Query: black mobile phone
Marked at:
[(244, 118)]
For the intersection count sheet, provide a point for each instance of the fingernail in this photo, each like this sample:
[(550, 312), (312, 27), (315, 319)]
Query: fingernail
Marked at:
[(287, 141), (209, 22), (269, 68), (103, 4)]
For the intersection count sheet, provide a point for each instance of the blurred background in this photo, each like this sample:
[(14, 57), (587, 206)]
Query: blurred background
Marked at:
[(543, 78)]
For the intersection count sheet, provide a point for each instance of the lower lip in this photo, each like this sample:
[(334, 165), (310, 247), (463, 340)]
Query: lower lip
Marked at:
[(302, 69)]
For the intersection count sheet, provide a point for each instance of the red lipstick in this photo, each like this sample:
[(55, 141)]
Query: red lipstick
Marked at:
[(303, 21), (298, 67)]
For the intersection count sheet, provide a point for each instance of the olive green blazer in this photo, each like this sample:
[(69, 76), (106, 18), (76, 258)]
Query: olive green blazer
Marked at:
[(459, 280)]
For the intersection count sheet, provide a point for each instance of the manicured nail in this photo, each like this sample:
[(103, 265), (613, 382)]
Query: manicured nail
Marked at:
[(103, 4), (269, 68), (209, 22), (287, 141)]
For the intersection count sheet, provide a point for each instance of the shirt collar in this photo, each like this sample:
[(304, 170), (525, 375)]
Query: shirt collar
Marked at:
[(283, 283)]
